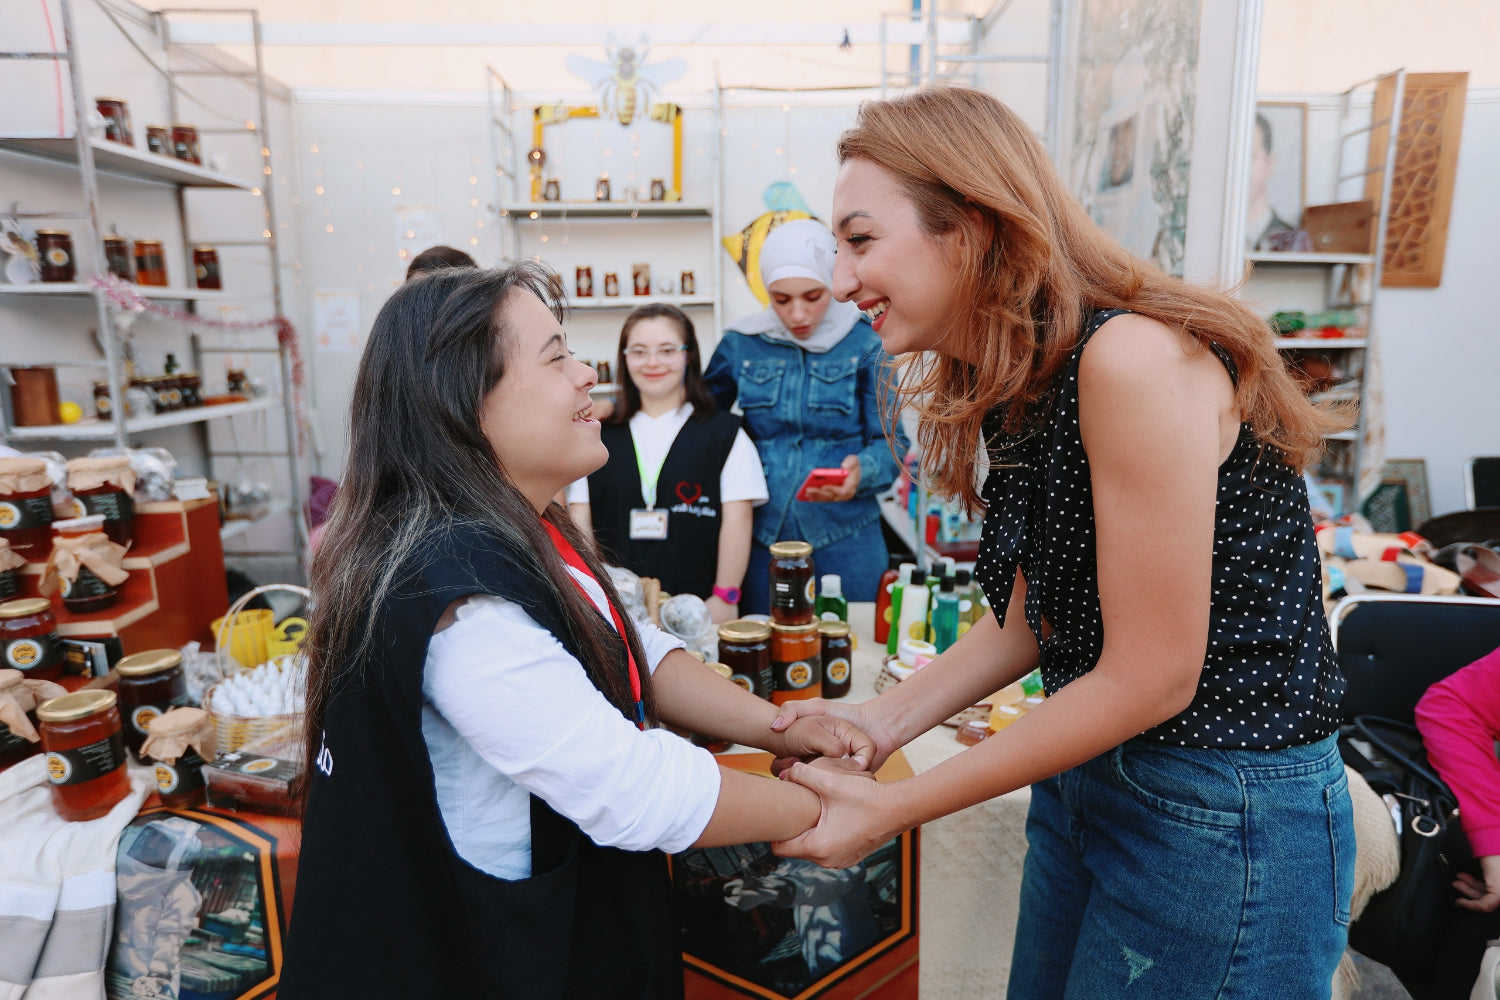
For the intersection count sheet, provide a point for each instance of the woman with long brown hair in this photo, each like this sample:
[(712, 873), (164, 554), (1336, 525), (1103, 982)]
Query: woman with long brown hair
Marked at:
[(488, 793), (1146, 542)]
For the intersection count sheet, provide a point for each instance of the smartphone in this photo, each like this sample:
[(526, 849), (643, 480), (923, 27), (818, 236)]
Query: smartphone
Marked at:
[(819, 478)]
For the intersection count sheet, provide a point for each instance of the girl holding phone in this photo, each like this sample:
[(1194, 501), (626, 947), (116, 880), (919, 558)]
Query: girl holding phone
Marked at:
[(813, 383), (675, 499)]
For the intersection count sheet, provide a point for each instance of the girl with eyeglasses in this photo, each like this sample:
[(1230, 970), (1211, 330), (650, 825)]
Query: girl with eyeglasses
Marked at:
[(675, 499)]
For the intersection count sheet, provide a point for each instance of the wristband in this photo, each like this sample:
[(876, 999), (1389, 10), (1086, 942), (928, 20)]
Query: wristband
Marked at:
[(729, 595)]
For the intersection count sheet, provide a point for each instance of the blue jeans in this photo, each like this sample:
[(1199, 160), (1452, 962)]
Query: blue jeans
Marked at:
[(1155, 872), (858, 560)]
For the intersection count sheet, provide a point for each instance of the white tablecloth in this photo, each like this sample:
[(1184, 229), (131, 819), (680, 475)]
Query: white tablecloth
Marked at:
[(971, 862)]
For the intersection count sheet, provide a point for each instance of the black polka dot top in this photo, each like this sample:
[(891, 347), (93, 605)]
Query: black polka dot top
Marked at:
[(1270, 678)]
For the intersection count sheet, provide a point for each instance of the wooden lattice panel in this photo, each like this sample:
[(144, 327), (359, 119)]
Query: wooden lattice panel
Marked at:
[(1432, 117)]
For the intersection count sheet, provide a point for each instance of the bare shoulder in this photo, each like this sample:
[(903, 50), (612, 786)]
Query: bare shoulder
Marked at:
[(1131, 352)]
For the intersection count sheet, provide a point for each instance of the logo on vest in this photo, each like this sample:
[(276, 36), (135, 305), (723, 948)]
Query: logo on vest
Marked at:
[(693, 501), (324, 760)]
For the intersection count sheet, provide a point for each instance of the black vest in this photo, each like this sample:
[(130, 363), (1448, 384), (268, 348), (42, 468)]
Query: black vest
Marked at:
[(384, 905), (688, 489)]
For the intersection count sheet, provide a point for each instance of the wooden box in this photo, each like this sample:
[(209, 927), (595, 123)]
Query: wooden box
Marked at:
[(755, 925)]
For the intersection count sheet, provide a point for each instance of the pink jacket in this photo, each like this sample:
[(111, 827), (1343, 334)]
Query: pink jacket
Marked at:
[(1459, 717)]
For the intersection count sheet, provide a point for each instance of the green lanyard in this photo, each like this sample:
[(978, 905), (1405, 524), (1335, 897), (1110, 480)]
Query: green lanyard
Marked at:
[(648, 478)]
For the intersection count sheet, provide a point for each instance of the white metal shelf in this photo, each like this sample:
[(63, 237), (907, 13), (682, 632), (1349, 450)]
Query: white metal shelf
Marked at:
[(526, 210), (73, 289), (95, 430), (1321, 343), (631, 301), (1324, 259), (239, 525), (128, 161)]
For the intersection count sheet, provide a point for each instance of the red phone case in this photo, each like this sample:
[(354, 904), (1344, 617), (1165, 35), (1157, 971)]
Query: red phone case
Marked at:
[(821, 477)]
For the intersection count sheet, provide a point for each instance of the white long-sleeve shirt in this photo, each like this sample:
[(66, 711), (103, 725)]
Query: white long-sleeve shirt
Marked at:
[(508, 712)]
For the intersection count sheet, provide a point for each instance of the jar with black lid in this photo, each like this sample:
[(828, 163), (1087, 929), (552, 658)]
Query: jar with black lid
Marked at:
[(792, 592), (151, 683), (85, 753), (28, 638), (745, 648), (838, 658), (56, 249)]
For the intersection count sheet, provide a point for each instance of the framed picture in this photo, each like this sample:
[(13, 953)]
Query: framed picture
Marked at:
[(1400, 502), (1278, 176), (759, 926)]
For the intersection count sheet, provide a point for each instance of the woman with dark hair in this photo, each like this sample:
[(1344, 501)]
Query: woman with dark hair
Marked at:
[(1146, 542), (436, 259), (675, 499), (488, 796)]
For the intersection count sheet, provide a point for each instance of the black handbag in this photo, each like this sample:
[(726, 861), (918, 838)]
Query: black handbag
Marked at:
[(1403, 925)]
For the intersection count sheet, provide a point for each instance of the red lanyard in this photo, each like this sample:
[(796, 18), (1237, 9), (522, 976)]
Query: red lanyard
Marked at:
[(572, 558)]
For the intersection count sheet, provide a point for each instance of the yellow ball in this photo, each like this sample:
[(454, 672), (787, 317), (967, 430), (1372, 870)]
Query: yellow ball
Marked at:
[(70, 412)]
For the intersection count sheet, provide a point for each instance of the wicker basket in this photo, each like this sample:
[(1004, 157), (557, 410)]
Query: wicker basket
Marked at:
[(234, 731), (269, 639)]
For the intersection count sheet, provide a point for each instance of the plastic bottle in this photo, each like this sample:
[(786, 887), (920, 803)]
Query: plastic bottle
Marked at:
[(914, 600), (893, 636), (883, 599), (967, 605), (945, 616), (830, 605)]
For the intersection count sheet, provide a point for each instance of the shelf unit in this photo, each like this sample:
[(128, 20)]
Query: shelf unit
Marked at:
[(1356, 171), (91, 156), (515, 211)]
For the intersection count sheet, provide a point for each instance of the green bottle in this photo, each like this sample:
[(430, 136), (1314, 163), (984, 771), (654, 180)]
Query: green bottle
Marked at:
[(830, 605)]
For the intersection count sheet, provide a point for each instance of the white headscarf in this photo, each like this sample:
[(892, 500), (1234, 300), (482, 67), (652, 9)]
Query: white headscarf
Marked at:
[(801, 248)]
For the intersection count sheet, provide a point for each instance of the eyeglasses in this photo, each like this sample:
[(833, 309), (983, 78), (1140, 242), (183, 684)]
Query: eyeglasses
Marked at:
[(666, 352)]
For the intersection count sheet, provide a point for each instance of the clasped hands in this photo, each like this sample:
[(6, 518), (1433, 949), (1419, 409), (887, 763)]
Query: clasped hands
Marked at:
[(834, 750)]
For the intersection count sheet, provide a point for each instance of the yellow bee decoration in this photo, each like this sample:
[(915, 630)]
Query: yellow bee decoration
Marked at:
[(626, 84)]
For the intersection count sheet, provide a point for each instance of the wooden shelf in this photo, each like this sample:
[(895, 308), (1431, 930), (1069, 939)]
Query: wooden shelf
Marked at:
[(525, 211), (1321, 343), (631, 301), (127, 161), (73, 289), (1313, 259), (94, 429)]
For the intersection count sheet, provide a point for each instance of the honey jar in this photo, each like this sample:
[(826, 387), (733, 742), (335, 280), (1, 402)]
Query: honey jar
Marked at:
[(583, 282), (26, 506), (796, 662), (206, 268), (687, 284), (745, 648), (150, 263), (56, 249), (85, 753), (85, 593), (175, 749), (838, 657), (185, 143), (791, 583), (151, 683), (16, 746), (117, 257), (106, 486), (191, 384), (116, 114), (9, 562), (102, 404), (159, 139), (611, 284)]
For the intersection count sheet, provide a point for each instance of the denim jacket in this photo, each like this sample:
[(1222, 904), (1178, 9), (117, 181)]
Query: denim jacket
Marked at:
[(806, 411)]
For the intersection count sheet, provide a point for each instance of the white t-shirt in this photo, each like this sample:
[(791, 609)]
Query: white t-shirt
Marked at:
[(742, 477), (508, 712)]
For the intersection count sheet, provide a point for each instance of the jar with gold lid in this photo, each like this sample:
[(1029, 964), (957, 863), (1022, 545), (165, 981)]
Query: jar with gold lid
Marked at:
[(745, 648), (792, 588), (838, 658), (28, 638), (85, 753), (151, 683), (106, 486), (796, 662)]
